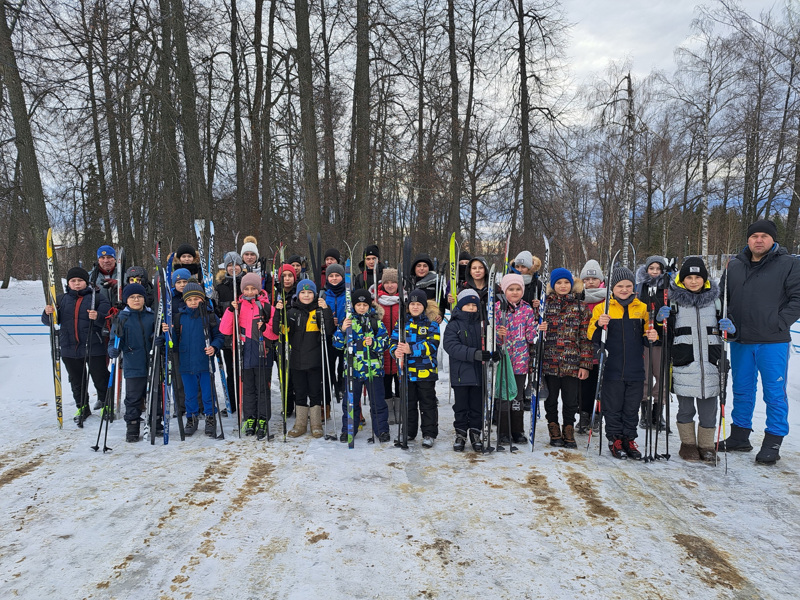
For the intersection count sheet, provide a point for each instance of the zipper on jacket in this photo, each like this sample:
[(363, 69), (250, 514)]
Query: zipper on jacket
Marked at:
[(700, 355)]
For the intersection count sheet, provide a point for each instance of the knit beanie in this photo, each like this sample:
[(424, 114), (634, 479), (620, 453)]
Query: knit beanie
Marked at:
[(184, 249), (468, 296), (561, 273), (132, 289), (464, 255), (193, 290), (106, 251), (372, 250), (306, 284), (78, 273), (335, 268), (418, 296), (284, 268), (180, 274), (592, 269), (524, 259), (622, 274), (511, 279), (334, 254), (693, 265), (763, 226), (361, 295), (389, 275), (249, 245), (422, 258), (295, 258), (656, 259), (250, 279), (232, 258)]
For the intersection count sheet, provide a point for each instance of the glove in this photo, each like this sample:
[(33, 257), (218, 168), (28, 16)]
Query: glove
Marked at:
[(496, 356), (113, 352), (727, 326), (663, 313), (109, 283), (483, 355)]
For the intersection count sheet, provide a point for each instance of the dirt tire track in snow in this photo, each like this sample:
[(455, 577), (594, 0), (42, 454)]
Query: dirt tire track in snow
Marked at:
[(584, 488), (714, 569)]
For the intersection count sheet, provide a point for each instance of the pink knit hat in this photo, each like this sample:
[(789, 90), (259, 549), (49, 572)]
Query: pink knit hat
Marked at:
[(511, 279)]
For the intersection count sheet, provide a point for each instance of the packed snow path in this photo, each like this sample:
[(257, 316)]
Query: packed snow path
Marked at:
[(310, 519)]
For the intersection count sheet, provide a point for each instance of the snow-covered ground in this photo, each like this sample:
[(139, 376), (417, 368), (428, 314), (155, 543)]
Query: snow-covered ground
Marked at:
[(310, 519)]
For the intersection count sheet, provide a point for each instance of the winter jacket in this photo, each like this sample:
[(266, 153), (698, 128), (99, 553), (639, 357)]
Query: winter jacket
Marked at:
[(106, 282), (365, 279), (533, 288), (696, 341), (428, 285), (764, 296), (625, 339), (76, 327), (567, 346), (592, 298), (391, 313), (337, 303), (462, 337), (304, 333), (188, 331), (367, 361), (256, 343), (469, 284), (194, 267), (224, 291), (135, 329), (522, 324), (422, 334), (652, 291)]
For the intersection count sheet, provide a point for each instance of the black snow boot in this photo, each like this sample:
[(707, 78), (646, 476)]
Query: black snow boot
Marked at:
[(738, 440), (475, 440), (132, 431), (461, 441), (211, 426), (770, 449), (191, 425), (583, 423), (617, 449), (643, 417), (631, 449)]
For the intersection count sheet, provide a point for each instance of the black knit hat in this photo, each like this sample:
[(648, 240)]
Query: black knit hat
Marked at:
[(464, 255), (693, 265), (79, 273), (763, 226), (418, 296), (184, 249), (361, 295), (372, 250), (422, 258), (333, 253), (622, 274)]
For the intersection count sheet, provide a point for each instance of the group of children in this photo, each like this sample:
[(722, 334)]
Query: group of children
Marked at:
[(256, 323)]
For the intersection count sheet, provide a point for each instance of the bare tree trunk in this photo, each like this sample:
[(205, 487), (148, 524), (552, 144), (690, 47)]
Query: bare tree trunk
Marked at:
[(627, 222), (267, 206), (794, 204), (361, 100), (241, 187), (32, 190), (255, 208), (525, 141), (453, 222), (307, 118)]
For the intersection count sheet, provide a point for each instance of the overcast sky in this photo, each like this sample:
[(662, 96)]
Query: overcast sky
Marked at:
[(646, 32)]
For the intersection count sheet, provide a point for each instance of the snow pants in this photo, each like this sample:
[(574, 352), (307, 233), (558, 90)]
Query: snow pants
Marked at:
[(378, 410), (135, 388), (307, 386), (79, 381), (422, 398), (255, 392), (772, 362), (620, 403), (706, 411), (588, 391), (468, 407), (196, 385), (569, 389)]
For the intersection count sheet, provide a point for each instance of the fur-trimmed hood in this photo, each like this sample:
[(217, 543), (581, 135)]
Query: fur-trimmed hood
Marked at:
[(683, 297), (432, 310), (643, 277)]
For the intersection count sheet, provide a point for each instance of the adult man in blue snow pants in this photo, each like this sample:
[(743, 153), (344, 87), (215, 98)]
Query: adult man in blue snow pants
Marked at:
[(763, 302)]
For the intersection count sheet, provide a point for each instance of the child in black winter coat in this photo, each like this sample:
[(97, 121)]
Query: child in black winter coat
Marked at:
[(305, 359), (81, 312), (463, 343)]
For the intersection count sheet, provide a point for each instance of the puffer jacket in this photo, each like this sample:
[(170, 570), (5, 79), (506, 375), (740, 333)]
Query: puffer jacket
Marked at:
[(391, 313), (367, 361), (337, 301), (522, 324), (190, 339), (652, 291), (764, 297), (469, 284), (135, 329), (462, 337), (304, 333), (625, 339), (422, 335), (256, 343), (76, 327), (696, 341), (567, 346)]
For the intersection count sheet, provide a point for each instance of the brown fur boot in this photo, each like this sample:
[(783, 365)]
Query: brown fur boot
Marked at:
[(688, 450)]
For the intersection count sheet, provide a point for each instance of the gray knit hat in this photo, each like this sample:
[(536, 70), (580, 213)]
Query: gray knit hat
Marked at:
[(334, 268), (389, 275), (524, 259), (466, 297), (656, 259), (622, 274), (592, 269)]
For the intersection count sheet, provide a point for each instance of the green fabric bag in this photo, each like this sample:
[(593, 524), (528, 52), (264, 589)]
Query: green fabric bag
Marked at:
[(505, 385)]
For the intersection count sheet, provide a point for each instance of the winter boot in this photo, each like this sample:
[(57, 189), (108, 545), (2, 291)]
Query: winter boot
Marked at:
[(211, 426), (770, 449), (617, 451), (316, 422), (384, 437), (390, 404), (461, 441), (343, 437), (583, 423), (300, 422), (631, 449), (475, 440), (86, 413), (688, 450), (98, 405), (643, 419), (597, 420), (261, 430), (555, 434), (132, 431), (191, 425), (738, 440), (250, 427), (569, 437), (705, 444)]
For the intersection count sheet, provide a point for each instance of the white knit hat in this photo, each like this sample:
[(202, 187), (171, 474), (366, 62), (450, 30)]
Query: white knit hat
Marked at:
[(249, 247)]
